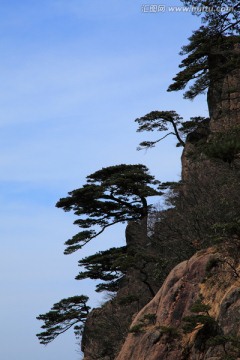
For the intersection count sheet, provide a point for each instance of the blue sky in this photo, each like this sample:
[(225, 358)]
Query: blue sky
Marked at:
[(74, 76)]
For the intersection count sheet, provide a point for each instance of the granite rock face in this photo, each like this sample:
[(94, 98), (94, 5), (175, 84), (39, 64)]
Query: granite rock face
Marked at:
[(223, 99), (206, 276), (224, 90), (156, 317), (106, 327)]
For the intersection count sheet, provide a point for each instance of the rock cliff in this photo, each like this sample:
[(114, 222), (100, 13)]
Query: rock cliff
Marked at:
[(107, 327), (195, 314), (224, 89), (223, 99), (158, 330)]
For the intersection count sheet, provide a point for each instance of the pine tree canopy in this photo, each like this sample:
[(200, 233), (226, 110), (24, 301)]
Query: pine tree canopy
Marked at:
[(66, 313), (115, 194), (170, 123), (220, 16), (105, 265), (221, 29)]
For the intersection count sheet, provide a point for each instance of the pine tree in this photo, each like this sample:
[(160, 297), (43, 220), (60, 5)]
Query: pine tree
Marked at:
[(170, 123), (67, 313), (220, 31), (115, 194)]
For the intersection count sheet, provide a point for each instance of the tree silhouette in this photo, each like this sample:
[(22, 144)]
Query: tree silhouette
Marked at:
[(218, 36), (66, 313), (170, 123), (115, 194)]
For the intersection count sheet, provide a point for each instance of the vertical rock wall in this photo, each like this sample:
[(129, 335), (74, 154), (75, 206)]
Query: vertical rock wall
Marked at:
[(107, 326), (224, 89), (223, 102)]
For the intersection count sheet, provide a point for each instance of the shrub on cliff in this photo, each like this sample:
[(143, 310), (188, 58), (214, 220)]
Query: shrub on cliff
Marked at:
[(204, 211)]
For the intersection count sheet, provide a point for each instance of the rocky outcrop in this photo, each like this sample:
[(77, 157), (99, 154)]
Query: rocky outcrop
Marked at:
[(107, 327), (191, 157), (211, 277), (157, 331), (224, 89), (223, 99)]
